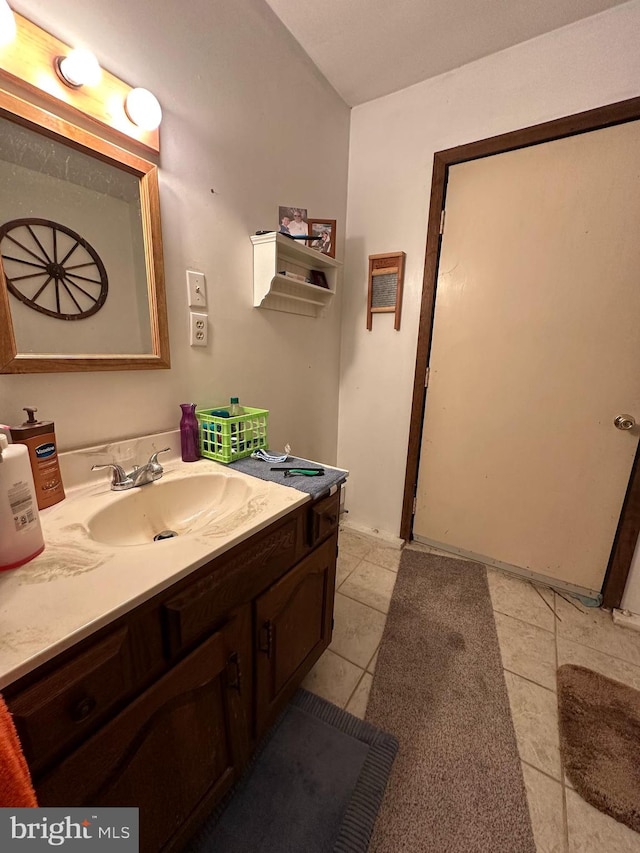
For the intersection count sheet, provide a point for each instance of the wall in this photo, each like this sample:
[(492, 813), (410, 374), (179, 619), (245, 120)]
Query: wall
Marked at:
[(249, 124), (393, 139), (631, 598)]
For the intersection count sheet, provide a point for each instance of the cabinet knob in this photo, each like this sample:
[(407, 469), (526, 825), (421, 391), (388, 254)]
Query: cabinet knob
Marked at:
[(83, 709)]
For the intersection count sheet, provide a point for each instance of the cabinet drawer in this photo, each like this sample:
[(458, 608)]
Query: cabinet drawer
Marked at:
[(196, 611), (61, 707), (324, 518)]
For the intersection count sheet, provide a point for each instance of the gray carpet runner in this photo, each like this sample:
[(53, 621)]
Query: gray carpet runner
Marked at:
[(456, 785)]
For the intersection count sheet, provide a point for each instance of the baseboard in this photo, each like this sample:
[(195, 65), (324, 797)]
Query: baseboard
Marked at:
[(381, 537), (588, 597), (627, 619)]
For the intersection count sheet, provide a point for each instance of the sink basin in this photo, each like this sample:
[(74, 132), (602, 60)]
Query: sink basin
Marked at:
[(182, 505)]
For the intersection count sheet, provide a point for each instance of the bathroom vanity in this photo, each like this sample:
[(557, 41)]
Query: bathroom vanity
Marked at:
[(162, 706)]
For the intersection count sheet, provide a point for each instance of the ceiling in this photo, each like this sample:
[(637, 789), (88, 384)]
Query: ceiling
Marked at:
[(370, 48)]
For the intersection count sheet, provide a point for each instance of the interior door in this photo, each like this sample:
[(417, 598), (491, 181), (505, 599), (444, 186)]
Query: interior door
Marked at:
[(535, 351)]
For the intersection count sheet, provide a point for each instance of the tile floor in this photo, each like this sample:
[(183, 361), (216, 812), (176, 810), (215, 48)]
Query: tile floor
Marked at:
[(538, 630)]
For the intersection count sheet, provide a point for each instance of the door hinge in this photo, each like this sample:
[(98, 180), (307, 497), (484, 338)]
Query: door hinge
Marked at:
[(265, 639), (426, 377), (234, 675), (415, 504), (442, 213)]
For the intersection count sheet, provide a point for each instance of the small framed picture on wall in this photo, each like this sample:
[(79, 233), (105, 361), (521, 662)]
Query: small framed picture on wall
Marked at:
[(322, 236)]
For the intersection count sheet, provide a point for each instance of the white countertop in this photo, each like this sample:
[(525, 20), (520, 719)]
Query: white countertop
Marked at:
[(78, 585)]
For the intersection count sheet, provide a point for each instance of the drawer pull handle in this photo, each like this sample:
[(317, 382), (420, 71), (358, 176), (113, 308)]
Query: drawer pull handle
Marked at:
[(265, 642), (83, 709), (234, 673)]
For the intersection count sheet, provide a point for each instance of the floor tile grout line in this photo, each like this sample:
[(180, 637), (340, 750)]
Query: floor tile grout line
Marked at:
[(349, 573), (552, 609), (544, 772), (345, 579), (600, 651), (365, 604), (353, 692), (530, 680), (372, 657), (565, 816), (379, 566), (572, 603), (524, 621), (359, 666)]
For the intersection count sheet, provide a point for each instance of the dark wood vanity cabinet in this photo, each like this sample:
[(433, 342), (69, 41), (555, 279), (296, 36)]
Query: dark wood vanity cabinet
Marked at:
[(163, 708), (182, 741), (293, 621)]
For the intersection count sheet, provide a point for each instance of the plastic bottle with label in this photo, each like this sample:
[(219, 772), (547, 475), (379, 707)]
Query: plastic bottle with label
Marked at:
[(20, 533), (235, 409), (40, 439)]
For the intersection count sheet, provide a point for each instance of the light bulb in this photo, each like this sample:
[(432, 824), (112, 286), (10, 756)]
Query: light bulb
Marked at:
[(143, 109), (7, 23), (79, 68)]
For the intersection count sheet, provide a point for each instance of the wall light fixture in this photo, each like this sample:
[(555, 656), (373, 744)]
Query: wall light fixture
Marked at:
[(7, 23), (143, 109), (39, 62), (78, 68)]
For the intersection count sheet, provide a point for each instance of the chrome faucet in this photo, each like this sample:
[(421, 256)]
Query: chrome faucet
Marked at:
[(121, 481)]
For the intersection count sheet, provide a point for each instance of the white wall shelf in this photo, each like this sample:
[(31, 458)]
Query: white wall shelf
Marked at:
[(274, 253)]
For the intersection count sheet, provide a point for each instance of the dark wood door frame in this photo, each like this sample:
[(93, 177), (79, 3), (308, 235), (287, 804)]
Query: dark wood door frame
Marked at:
[(601, 117)]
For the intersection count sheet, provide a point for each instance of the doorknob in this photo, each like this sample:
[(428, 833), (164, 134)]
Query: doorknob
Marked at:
[(625, 422)]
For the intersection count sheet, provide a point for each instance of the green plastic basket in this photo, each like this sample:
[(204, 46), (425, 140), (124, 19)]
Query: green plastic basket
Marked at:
[(228, 439)]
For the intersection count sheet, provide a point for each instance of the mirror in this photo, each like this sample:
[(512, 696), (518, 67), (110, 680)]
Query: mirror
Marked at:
[(81, 271)]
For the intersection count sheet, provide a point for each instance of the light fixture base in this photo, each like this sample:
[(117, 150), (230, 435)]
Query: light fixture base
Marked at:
[(57, 62)]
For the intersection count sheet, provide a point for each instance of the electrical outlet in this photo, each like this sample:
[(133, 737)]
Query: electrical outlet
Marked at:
[(198, 329), (196, 288)]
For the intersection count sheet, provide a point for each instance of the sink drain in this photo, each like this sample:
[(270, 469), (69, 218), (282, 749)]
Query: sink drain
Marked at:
[(164, 534)]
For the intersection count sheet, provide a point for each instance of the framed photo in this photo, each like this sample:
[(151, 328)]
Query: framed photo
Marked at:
[(322, 234), (293, 221)]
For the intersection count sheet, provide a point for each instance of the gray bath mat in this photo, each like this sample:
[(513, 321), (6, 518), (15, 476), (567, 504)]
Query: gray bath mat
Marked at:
[(314, 787), (600, 741)]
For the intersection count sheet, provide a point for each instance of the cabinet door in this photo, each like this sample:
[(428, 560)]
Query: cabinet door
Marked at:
[(180, 745), (293, 628)]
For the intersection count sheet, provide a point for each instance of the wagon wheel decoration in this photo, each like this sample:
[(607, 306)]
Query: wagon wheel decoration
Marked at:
[(52, 269)]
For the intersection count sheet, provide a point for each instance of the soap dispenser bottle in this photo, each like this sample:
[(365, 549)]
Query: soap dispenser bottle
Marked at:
[(20, 532), (40, 439)]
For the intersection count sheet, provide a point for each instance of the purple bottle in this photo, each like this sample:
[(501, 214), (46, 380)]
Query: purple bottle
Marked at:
[(189, 433)]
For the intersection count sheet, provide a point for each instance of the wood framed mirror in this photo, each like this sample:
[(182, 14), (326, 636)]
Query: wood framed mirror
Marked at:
[(81, 262)]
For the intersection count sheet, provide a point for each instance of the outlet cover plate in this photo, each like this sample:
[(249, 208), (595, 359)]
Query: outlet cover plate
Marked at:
[(198, 329)]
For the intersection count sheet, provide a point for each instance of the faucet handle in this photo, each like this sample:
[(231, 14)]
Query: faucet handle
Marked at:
[(154, 466), (153, 459), (119, 479)]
